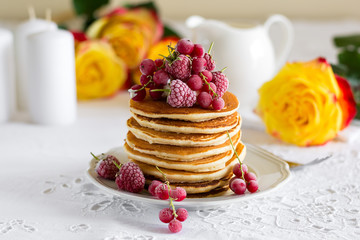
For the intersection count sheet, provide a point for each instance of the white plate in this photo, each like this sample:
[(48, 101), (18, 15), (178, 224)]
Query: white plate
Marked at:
[(271, 172)]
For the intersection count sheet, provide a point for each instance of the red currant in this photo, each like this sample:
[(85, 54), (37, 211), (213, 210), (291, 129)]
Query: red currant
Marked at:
[(185, 46), (182, 214), (161, 77), (218, 103), (136, 94), (198, 51), (178, 194), (195, 82), (238, 186), (152, 186), (147, 67), (175, 226), (252, 186), (162, 192), (249, 176), (166, 215), (198, 65), (204, 99)]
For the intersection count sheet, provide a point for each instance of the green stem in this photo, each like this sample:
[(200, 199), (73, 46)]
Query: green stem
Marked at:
[(210, 48), (222, 70), (95, 156), (207, 83), (237, 156), (169, 188), (161, 90), (117, 165), (164, 175)]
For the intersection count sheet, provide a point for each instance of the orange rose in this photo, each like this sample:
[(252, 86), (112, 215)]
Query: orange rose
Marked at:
[(306, 104), (160, 48)]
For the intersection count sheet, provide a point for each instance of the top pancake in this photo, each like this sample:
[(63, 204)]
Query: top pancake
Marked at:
[(160, 109)]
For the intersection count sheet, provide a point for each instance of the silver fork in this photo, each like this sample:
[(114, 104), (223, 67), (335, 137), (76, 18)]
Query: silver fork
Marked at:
[(297, 167)]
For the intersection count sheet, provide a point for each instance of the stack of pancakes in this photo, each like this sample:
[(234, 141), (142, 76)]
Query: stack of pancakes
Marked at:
[(190, 145)]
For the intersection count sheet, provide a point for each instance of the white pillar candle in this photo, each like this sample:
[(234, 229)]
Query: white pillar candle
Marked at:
[(21, 33), (7, 75), (52, 86)]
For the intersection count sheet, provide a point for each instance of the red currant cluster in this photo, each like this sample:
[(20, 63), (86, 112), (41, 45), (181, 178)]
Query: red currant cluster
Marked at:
[(184, 77), (243, 178), (128, 176), (170, 215)]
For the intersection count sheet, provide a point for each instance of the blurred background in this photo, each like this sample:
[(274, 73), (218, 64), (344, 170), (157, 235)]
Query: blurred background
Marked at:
[(179, 10)]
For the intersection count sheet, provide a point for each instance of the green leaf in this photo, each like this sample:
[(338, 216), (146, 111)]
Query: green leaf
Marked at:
[(344, 41), (149, 5), (351, 59), (88, 7), (169, 32)]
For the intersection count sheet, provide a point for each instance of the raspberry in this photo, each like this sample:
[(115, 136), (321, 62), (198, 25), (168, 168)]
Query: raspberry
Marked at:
[(152, 186), (106, 167), (147, 67), (195, 82), (198, 65), (249, 176), (182, 214), (238, 186), (162, 191), (237, 171), (130, 178), (204, 99), (218, 103), (210, 63), (179, 68), (198, 51), (137, 93), (178, 194), (252, 186), (181, 95), (166, 215), (221, 82), (175, 226), (161, 77), (185, 46)]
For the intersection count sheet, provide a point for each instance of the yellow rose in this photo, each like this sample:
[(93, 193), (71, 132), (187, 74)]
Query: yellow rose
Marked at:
[(306, 104), (99, 72), (129, 31)]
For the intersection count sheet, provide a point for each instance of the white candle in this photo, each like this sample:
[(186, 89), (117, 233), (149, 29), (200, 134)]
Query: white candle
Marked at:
[(21, 33), (52, 86), (7, 78)]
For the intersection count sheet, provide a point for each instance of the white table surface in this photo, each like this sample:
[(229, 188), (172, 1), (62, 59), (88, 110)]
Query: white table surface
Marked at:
[(44, 193)]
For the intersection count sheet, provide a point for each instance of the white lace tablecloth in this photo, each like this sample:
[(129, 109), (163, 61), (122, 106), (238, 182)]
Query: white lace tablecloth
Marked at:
[(44, 193)]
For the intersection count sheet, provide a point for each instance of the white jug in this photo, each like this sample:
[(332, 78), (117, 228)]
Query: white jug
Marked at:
[(248, 53)]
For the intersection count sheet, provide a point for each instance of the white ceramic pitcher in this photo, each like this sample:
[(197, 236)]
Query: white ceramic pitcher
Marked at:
[(248, 53)]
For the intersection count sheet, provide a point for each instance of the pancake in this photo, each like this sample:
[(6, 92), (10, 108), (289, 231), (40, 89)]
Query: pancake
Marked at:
[(218, 125), (189, 177), (211, 163), (160, 109), (200, 187), (219, 191), (178, 152)]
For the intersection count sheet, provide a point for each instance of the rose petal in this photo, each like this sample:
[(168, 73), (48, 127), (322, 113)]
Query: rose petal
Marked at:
[(346, 100)]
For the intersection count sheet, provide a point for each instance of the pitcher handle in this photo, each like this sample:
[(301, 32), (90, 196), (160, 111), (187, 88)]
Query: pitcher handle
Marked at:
[(287, 39)]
